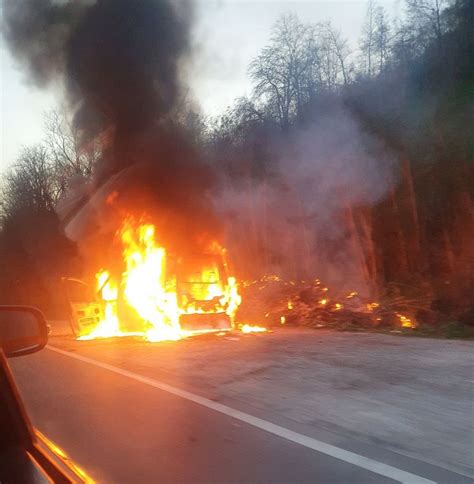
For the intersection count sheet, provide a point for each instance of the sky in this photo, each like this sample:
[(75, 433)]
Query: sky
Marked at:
[(228, 34)]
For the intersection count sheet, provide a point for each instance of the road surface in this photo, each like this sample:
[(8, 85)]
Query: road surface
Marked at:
[(288, 406)]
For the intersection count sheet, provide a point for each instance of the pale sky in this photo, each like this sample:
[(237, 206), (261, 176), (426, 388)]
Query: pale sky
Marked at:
[(228, 34)]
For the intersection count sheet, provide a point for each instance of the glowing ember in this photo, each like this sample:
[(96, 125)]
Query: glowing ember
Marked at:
[(271, 277), (373, 305), (323, 302), (406, 322), (282, 320), (247, 328), (338, 306), (155, 298)]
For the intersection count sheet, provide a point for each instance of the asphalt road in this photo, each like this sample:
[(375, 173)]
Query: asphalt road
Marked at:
[(256, 408)]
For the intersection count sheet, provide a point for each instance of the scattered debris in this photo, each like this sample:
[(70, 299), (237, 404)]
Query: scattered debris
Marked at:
[(272, 301)]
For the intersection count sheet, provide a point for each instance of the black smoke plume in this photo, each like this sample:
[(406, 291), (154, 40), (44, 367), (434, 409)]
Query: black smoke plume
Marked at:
[(119, 61)]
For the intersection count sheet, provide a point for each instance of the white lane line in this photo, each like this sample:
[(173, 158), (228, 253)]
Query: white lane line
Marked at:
[(341, 454)]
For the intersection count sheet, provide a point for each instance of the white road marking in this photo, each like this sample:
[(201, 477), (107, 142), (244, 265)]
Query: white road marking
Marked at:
[(336, 452)]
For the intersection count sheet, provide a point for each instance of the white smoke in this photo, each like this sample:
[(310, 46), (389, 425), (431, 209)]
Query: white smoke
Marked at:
[(300, 224)]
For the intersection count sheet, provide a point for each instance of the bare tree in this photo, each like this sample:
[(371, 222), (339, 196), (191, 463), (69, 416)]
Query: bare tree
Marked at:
[(367, 41), (426, 20), (69, 156), (404, 46), (336, 52), (41, 173), (279, 70), (382, 39), (31, 182), (300, 60)]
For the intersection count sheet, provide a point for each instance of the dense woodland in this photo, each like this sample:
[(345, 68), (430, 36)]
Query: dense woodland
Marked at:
[(399, 108)]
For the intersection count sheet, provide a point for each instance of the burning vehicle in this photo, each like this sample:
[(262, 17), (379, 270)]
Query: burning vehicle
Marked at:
[(158, 295), (155, 270), (207, 296)]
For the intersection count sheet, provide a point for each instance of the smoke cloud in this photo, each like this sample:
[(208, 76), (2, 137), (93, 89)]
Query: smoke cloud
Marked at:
[(120, 63), (37, 33), (119, 60), (300, 222)]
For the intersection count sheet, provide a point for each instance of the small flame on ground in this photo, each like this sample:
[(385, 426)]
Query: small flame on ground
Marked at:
[(405, 321), (282, 320), (247, 328), (271, 277), (373, 305)]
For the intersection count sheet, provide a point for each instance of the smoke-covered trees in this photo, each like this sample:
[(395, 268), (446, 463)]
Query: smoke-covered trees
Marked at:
[(318, 113), (426, 20), (409, 94), (382, 39), (40, 175), (336, 54), (367, 41), (375, 40), (282, 70), (67, 153), (34, 252), (31, 182)]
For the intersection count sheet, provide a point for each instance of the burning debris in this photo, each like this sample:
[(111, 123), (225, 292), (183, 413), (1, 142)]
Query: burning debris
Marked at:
[(248, 328), (278, 302)]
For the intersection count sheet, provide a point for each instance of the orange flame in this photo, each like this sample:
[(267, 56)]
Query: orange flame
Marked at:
[(372, 306), (109, 325), (405, 321), (149, 289)]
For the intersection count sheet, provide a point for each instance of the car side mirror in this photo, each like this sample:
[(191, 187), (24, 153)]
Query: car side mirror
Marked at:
[(23, 330)]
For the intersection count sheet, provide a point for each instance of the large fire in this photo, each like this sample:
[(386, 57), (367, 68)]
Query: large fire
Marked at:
[(162, 296), (160, 291)]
